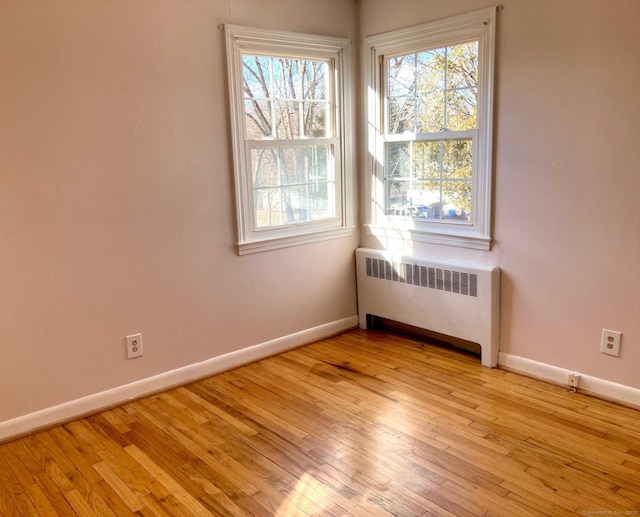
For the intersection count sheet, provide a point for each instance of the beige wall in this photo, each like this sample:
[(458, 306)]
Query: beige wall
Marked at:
[(567, 175), (116, 197)]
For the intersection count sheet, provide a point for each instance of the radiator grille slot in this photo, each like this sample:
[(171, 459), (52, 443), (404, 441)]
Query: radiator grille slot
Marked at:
[(422, 276)]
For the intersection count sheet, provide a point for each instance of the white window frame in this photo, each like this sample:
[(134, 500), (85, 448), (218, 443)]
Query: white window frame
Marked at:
[(242, 40), (477, 25)]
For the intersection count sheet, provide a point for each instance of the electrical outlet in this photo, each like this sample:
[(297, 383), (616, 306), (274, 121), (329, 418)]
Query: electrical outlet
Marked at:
[(610, 343), (573, 379), (134, 346)]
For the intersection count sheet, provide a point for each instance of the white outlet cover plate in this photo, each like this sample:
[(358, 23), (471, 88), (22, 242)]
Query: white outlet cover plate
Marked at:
[(134, 341), (610, 343)]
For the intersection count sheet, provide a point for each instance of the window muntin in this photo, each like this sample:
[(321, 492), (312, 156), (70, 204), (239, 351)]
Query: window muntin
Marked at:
[(429, 104), (289, 100)]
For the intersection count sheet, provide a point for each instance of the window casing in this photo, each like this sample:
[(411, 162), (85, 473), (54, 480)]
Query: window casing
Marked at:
[(289, 99), (429, 105)]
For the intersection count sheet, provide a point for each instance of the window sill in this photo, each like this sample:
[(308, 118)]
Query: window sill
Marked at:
[(270, 243), (461, 237)]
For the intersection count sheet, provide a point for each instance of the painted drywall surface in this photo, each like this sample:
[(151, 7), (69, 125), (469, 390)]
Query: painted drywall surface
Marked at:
[(116, 198), (567, 175)]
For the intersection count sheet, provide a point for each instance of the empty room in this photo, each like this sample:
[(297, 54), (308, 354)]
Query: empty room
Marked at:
[(319, 257)]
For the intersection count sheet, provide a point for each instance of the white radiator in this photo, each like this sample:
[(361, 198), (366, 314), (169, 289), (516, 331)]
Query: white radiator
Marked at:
[(458, 299)]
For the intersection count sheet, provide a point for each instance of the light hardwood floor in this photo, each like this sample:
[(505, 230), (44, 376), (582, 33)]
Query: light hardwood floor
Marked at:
[(366, 423)]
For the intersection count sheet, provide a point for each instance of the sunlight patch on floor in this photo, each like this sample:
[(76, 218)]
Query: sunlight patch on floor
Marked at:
[(309, 495)]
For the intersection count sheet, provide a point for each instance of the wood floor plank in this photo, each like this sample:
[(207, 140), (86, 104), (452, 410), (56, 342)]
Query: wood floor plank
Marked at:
[(187, 500), (44, 483), (12, 462), (366, 423), (40, 501), (80, 506), (119, 486), (214, 498), (80, 456), (15, 494)]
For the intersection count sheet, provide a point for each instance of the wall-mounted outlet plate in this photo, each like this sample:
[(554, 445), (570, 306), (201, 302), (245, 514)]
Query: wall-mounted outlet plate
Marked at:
[(610, 343), (134, 346)]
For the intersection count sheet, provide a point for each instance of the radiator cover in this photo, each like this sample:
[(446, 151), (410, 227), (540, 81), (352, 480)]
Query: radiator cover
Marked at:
[(455, 298)]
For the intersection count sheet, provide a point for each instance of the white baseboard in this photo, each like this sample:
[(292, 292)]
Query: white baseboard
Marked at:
[(90, 404), (594, 385)]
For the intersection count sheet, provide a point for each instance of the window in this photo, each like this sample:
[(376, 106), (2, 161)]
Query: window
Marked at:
[(291, 140), (429, 108)]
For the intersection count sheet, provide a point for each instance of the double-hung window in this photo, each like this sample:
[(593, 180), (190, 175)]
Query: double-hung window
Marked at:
[(429, 110), (291, 141)]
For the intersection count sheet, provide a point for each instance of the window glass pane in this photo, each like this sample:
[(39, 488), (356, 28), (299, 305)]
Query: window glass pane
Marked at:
[(401, 91), (256, 76), (462, 65), (430, 117), (426, 157), (317, 161), (287, 119), (264, 163), (457, 159), (401, 117), (303, 185), (321, 204), (431, 206), (303, 164), (417, 199), (257, 119), (456, 200), (268, 207), (414, 159), (430, 70), (310, 202), (314, 80), (315, 119), (286, 79), (257, 83), (295, 167), (431, 84), (462, 109), (398, 194), (295, 203), (429, 199), (432, 91), (416, 86), (429, 179), (399, 160), (278, 90)]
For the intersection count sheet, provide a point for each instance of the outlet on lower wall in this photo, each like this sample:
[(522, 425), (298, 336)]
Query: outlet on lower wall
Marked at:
[(573, 379), (134, 346)]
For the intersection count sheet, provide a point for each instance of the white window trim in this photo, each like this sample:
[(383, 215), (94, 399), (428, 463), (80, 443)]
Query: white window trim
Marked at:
[(239, 40), (478, 25)]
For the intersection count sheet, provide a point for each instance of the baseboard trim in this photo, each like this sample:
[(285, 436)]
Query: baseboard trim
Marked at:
[(74, 409), (596, 386)]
